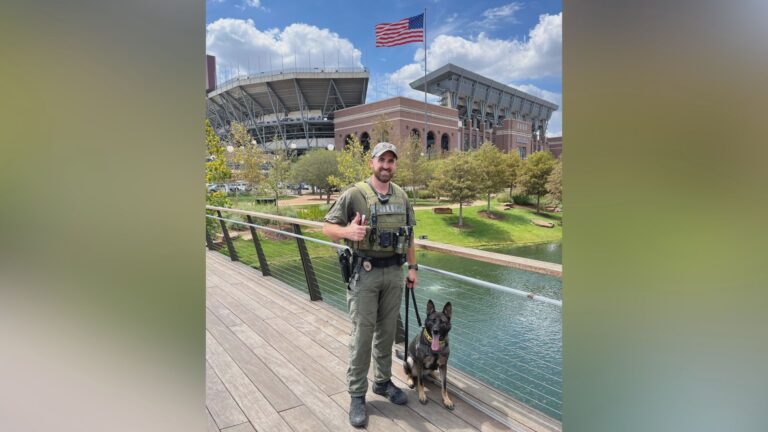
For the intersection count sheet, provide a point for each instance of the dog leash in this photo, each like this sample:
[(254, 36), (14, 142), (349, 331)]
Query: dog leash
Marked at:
[(407, 309)]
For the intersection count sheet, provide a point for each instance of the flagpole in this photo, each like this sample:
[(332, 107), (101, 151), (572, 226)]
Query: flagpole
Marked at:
[(426, 127)]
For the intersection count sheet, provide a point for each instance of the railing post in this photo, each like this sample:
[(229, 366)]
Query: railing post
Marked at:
[(230, 246), (259, 251), (400, 332), (309, 271), (208, 239)]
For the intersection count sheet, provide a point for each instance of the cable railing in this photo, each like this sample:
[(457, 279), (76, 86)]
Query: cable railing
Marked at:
[(505, 335)]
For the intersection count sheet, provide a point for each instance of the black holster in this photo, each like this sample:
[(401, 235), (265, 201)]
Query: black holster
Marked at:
[(345, 263)]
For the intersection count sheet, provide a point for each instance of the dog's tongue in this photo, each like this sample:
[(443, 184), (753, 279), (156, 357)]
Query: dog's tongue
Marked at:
[(436, 342)]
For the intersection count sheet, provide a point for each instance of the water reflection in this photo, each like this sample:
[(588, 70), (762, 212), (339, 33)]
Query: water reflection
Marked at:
[(507, 341)]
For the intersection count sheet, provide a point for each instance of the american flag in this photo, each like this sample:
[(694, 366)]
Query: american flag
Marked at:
[(405, 31)]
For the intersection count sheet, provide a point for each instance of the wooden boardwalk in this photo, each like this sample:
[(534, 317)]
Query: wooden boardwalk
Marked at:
[(276, 361)]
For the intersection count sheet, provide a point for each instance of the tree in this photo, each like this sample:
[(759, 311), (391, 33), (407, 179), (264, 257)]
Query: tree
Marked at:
[(512, 163), (457, 180), (533, 175), (216, 171), (249, 157), (353, 165), (381, 129), (239, 135), (279, 172), (555, 183), (490, 171), (315, 168), (412, 169)]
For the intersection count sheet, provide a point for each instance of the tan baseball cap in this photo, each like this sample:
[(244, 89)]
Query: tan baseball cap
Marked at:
[(383, 147)]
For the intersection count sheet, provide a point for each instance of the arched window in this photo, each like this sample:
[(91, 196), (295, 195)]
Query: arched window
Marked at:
[(415, 132), (430, 142), (365, 140), (444, 142), (347, 140)]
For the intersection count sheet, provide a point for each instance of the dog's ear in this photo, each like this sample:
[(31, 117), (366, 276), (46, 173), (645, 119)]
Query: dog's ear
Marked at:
[(448, 310), (430, 307)]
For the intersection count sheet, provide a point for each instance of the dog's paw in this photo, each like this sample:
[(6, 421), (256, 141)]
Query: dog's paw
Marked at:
[(448, 404), (423, 399), (410, 383)]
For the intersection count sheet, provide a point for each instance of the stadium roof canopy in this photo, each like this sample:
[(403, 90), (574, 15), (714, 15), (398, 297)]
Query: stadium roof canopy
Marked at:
[(280, 96), (479, 97)]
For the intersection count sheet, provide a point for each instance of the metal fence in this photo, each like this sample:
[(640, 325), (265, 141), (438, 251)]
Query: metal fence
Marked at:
[(507, 324)]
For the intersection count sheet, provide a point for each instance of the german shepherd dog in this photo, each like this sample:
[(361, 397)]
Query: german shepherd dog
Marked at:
[(429, 351)]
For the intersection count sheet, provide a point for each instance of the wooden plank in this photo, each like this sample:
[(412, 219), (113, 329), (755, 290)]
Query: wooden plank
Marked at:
[(316, 325), (310, 394), (225, 315), (309, 346), (264, 309), (211, 425), (233, 302), (302, 419), (479, 420), (311, 369), (251, 401), (435, 414), (377, 421), (273, 389), (245, 427), (513, 410), (221, 406), (327, 341)]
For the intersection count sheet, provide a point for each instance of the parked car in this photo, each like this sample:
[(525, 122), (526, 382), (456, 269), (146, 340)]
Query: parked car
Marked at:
[(239, 186), (216, 187)]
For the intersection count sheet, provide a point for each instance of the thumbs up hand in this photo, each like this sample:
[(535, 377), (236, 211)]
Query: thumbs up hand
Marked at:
[(355, 231)]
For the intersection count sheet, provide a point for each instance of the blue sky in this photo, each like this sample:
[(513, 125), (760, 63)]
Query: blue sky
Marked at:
[(514, 42)]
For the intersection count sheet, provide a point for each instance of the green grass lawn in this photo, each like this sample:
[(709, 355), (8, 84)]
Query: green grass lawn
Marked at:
[(514, 227)]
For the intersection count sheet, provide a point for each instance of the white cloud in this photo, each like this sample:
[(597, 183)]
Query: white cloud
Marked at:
[(506, 61), (240, 47), (252, 3), (505, 13)]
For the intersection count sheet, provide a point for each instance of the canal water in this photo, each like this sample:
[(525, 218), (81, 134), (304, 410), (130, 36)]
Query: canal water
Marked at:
[(509, 342)]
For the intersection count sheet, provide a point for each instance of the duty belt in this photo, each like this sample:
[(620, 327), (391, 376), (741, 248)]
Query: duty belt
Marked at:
[(381, 262)]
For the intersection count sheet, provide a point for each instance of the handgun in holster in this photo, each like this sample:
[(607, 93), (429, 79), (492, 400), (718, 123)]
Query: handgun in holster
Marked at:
[(345, 263)]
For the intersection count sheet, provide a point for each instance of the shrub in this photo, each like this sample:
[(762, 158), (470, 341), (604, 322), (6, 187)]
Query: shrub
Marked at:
[(503, 197), (522, 199), (313, 213), (425, 194)]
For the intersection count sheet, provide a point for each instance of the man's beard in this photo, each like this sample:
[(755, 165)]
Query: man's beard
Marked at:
[(382, 175)]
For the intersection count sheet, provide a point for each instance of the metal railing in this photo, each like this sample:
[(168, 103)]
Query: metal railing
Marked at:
[(508, 337)]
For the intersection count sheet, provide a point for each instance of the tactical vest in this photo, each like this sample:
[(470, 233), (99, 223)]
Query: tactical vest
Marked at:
[(389, 222)]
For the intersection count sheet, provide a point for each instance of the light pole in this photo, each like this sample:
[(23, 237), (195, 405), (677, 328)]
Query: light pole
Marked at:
[(292, 156), (230, 150)]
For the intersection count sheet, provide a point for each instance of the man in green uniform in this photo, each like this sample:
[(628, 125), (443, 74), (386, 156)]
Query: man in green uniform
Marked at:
[(376, 220)]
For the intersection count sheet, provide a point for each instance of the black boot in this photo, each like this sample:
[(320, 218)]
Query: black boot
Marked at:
[(358, 417), (392, 392)]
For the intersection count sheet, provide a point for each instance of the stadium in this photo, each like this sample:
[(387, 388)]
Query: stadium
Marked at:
[(301, 109)]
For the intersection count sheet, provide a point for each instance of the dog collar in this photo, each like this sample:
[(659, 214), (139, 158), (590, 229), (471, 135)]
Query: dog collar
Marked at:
[(428, 337)]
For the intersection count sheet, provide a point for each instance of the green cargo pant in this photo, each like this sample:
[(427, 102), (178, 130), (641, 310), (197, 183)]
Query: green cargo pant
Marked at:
[(373, 301)]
